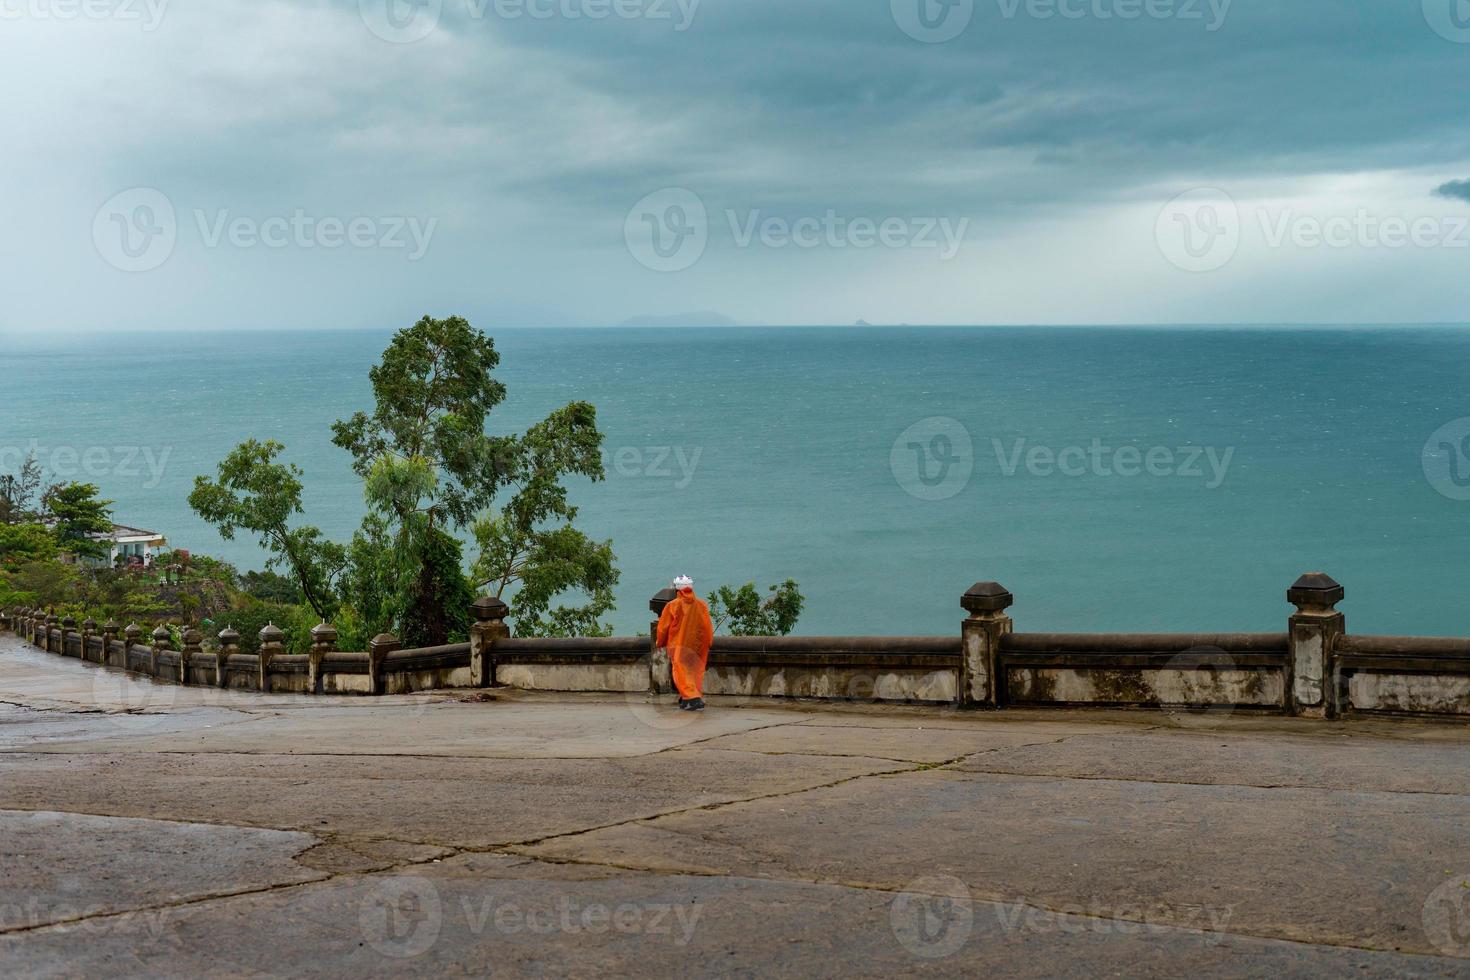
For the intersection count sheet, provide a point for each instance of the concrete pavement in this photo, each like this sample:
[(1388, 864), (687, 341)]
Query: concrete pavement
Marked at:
[(155, 830)]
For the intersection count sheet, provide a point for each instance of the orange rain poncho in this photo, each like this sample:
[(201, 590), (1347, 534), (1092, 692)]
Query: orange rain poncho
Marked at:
[(686, 631)]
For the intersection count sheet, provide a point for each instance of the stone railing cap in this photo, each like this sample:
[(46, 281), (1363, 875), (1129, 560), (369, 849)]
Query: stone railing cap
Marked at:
[(271, 633), (489, 608), (228, 635), (660, 599), (193, 636), (89, 623), (987, 597), (383, 639), (161, 633), (323, 631), (1315, 588)]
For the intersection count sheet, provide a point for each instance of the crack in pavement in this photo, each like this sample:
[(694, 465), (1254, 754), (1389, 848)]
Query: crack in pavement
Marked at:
[(1161, 781)]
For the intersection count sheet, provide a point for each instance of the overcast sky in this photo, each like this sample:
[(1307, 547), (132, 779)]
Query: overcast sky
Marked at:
[(334, 163)]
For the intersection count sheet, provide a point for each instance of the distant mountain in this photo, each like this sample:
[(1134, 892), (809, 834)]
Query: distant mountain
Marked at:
[(704, 318)]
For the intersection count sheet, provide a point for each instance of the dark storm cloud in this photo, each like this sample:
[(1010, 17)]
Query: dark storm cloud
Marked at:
[(530, 138), (1455, 190)]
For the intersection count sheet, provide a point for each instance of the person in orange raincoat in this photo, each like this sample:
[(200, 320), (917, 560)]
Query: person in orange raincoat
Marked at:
[(686, 631)]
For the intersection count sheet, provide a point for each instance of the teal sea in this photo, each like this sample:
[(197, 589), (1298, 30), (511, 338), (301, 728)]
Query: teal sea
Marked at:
[(1113, 479)]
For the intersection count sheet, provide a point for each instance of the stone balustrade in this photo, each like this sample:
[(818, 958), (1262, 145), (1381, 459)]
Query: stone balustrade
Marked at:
[(1314, 669)]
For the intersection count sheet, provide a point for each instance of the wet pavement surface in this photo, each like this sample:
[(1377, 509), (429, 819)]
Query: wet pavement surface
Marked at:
[(156, 830)]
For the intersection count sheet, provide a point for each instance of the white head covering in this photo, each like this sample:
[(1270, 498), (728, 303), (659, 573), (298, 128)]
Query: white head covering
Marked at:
[(683, 582)]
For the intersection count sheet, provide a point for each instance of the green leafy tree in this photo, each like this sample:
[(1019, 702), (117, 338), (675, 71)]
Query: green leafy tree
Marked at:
[(429, 468), (21, 543), (433, 391), (76, 514), (20, 492), (743, 612), (530, 547), (272, 587), (255, 493), (252, 616), (369, 580), (43, 583)]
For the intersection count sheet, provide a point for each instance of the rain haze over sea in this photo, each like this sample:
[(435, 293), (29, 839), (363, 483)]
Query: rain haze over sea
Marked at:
[(1112, 478)]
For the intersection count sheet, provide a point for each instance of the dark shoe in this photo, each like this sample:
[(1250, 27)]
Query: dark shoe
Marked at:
[(696, 705), (686, 705), (682, 702)]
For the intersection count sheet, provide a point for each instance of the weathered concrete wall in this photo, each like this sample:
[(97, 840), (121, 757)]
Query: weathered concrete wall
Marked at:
[(1146, 686), (294, 682), (201, 671), (935, 686), (626, 677), (1439, 694), (410, 681), (168, 666), (346, 684)]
